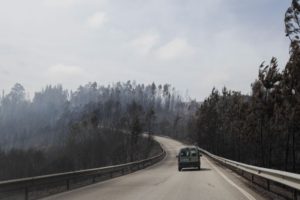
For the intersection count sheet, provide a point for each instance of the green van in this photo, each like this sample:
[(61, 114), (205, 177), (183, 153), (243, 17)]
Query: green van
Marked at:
[(189, 157)]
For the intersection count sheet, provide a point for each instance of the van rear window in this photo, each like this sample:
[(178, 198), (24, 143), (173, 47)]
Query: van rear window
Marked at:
[(193, 152), (188, 152), (184, 153)]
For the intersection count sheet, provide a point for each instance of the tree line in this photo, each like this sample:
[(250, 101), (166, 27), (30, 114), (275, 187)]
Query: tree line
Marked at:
[(262, 128), (93, 126)]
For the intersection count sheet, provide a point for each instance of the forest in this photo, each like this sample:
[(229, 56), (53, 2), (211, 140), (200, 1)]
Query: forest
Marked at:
[(88, 127), (262, 128), (60, 130)]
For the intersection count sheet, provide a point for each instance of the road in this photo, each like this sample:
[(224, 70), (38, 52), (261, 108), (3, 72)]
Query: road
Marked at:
[(164, 182)]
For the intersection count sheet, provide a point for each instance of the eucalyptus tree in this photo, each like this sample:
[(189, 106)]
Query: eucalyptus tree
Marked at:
[(291, 78)]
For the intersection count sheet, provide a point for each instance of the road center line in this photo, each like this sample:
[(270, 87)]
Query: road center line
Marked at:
[(245, 193)]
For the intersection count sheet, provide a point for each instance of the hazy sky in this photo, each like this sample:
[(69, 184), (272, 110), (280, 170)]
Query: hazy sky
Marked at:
[(191, 44)]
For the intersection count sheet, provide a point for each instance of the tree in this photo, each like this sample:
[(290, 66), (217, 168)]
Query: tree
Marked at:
[(292, 25), (135, 126), (291, 80)]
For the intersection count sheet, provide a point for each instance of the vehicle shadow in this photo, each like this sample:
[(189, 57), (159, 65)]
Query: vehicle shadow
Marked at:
[(195, 169)]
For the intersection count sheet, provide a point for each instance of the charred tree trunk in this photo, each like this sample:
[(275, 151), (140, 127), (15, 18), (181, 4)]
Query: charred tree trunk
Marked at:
[(293, 149), (287, 149), (262, 149)]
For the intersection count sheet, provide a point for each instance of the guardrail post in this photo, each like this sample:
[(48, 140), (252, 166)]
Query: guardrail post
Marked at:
[(295, 194), (268, 185), (68, 184), (26, 193), (252, 178)]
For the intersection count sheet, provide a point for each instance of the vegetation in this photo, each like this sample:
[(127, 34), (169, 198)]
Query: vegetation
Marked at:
[(263, 128), (60, 130)]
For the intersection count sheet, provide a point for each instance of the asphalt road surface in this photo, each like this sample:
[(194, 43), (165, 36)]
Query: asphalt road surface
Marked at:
[(163, 181)]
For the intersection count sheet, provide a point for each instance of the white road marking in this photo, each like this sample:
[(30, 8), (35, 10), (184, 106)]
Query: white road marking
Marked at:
[(246, 194)]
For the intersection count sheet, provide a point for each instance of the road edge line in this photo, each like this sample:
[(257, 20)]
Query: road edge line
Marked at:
[(245, 193)]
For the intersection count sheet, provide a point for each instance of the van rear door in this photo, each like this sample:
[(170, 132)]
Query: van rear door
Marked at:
[(194, 155)]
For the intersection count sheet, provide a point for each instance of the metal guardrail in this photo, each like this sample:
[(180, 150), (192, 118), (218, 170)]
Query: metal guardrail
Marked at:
[(289, 180), (41, 186)]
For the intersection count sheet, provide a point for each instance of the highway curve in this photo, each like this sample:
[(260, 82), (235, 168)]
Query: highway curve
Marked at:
[(164, 182)]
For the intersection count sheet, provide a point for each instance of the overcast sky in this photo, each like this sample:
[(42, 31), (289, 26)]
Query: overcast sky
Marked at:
[(191, 44)]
